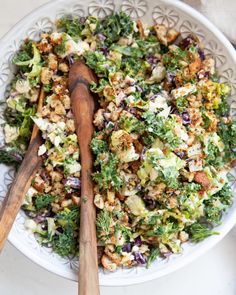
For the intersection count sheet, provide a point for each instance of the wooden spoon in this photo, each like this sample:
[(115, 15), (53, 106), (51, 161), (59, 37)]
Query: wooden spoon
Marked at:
[(80, 77), (20, 185)]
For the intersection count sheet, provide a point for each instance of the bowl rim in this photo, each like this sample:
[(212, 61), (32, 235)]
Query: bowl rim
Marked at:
[(212, 241)]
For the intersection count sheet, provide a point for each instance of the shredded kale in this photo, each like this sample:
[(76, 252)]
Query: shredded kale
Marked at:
[(192, 187), (131, 124), (43, 201), (131, 67), (223, 108), (96, 88), (69, 217), (108, 176), (24, 54), (11, 156), (99, 63), (158, 127), (181, 103), (217, 204), (206, 119), (172, 58), (134, 52), (65, 241), (71, 26), (214, 156), (115, 26), (227, 132), (60, 48), (150, 46)]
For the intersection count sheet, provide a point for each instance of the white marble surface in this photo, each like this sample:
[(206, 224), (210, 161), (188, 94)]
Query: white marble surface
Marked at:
[(212, 274)]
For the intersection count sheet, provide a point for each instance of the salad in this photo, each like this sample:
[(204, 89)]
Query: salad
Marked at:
[(163, 144)]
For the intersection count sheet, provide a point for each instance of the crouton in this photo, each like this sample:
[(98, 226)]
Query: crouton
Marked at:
[(201, 178)]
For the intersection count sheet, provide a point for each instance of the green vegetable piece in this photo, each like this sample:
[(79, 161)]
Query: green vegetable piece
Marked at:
[(69, 217), (136, 205), (103, 222), (33, 63), (158, 127), (154, 253), (71, 26), (98, 146), (43, 201), (108, 176), (198, 232), (131, 124), (227, 132), (217, 204), (115, 26), (11, 156), (181, 103), (99, 63), (134, 52), (66, 244), (96, 88)]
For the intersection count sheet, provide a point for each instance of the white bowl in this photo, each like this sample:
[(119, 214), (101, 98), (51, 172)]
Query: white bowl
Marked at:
[(171, 13)]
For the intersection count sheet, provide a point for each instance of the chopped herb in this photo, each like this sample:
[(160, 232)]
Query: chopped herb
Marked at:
[(98, 146), (104, 220), (199, 232), (154, 253)]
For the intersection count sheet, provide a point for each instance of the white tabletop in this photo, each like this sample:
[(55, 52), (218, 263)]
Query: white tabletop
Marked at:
[(212, 274)]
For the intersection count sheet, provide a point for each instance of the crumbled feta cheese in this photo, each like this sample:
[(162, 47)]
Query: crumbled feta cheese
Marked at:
[(78, 48), (28, 197), (165, 113), (42, 124), (57, 140), (158, 74), (180, 132), (11, 133), (195, 165), (73, 168), (128, 155), (135, 249), (194, 150), (119, 98), (22, 86), (31, 192), (42, 150), (158, 102)]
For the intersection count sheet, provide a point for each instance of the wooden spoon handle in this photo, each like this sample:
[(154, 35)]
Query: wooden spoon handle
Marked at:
[(83, 106), (35, 130), (31, 163), (13, 201)]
